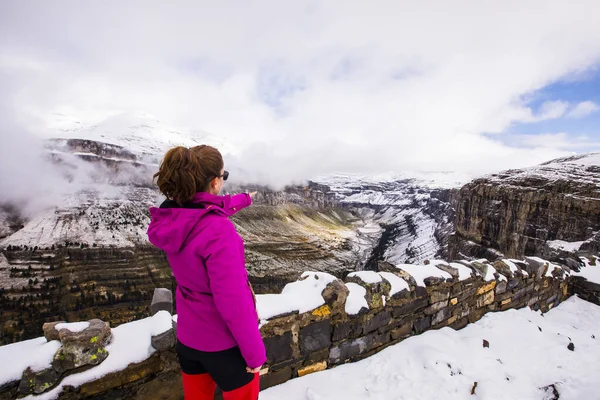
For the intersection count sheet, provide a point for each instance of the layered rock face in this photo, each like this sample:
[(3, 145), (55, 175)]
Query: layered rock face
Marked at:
[(548, 210), (72, 283)]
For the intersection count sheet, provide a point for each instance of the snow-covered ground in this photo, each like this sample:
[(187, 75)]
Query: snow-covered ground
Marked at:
[(591, 272), (527, 351)]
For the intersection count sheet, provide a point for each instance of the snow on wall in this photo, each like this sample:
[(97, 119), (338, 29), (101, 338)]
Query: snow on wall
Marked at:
[(300, 296), (366, 276), (356, 298), (421, 272)]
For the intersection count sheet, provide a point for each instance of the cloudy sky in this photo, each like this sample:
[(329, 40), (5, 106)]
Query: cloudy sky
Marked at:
[(308, 87)]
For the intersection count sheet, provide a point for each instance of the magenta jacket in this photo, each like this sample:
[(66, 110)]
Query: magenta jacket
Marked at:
[(215, 306)]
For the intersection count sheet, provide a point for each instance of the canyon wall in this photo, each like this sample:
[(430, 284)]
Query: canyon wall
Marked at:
[(533, 211)]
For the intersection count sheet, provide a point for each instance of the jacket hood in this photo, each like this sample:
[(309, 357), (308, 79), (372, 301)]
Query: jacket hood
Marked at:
[(172, 224)]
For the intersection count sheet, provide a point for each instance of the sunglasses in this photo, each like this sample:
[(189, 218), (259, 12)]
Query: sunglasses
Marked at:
[(224, 176)]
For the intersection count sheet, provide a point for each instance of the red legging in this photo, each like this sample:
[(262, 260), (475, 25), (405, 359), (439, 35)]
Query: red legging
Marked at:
[(202, 387)]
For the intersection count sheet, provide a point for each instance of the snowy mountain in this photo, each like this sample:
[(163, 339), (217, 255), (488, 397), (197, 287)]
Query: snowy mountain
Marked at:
[(140, 133), (108, 216)]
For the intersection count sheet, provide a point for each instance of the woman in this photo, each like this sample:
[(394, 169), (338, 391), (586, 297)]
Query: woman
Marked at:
[(219, 342)]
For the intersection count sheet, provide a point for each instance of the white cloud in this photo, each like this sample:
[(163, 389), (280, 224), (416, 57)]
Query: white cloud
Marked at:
[(547, 110), (583, 109), (553, 109), (309, 86)]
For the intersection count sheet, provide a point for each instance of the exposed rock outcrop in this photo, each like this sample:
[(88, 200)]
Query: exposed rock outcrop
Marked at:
[(81, 348), (531, 211)]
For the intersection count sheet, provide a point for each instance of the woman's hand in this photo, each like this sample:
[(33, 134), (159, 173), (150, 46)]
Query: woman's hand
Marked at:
[(252, 194), (253, 370)]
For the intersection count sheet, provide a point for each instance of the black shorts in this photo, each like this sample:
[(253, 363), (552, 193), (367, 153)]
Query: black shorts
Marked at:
[(227, 367)]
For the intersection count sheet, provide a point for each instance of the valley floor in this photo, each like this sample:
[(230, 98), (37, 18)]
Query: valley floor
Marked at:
[(527, 352)]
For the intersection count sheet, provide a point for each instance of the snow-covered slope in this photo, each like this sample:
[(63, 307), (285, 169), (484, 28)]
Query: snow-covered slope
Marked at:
[(527, 353), (581, 168), (138, 132), (107, 216), (424, 179)]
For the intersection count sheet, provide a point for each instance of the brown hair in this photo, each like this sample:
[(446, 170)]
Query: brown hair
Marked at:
[(183, 171)]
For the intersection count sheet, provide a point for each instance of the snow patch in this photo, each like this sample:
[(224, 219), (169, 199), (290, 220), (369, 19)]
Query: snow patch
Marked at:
[(552, 267), (464, 272), (398, 284), (17, 357), (366, 276), (420, 272), (511, 265), (523, 271), (162, 322), (538, 259), (356, 298), (566, 246), (73, 326), (490, 275), (589, 272)]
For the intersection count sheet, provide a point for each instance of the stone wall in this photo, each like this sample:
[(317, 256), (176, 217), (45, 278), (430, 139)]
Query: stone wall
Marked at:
[(439, 295), (327, 336)]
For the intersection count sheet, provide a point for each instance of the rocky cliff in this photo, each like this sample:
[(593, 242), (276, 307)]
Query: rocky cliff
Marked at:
[(550, 210)]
